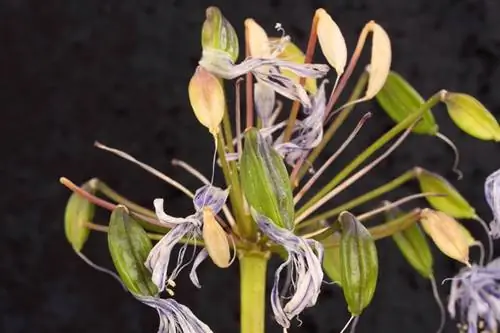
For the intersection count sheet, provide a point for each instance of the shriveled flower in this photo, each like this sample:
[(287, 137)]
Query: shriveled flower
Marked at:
[(208, 196), (476, 291), (307, 133), (492, 194), (266, 70), (174, 317), (304, 261)]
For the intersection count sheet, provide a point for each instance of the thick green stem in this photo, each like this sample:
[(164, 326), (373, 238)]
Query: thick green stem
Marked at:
[(396, 182), (408, 121), (253, 267)]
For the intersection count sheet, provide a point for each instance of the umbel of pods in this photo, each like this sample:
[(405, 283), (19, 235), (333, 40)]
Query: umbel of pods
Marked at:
[(259, 211)]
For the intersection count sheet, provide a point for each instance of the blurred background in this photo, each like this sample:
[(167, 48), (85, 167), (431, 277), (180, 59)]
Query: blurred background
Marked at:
[(76, 71)]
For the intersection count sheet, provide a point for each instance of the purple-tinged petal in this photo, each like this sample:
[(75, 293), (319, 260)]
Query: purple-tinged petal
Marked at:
[(174, 317), (159, 257), (492, 194), (170, 220), (264, 98), (210, 196), (199, 259)]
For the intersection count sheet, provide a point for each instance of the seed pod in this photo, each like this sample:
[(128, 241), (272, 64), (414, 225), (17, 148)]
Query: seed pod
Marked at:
[(258, 41), (331, 261), (471, 116), (293, 53), (358, 256), (331, 41), (380, 62), (452, 204), (399, 99), (218, 34), (206, 95), (413, 245), (215, 239), (447, 234), (78, 211), (265, 181), (129, 246)]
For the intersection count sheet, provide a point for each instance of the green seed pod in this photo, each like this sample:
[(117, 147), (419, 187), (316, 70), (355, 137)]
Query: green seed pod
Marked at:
[(452, 204), (129, 246), (413, 245), (218, 34), (359, 270), (471, 116), (78, 211), (331, 260), (399, 99), (265, 180)]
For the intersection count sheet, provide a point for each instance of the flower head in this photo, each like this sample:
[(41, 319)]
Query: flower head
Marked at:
[(208, 196), (174, 317), (304, 262), (476, 291), (492, 194)]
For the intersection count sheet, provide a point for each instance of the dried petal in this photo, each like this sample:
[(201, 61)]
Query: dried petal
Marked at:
[(447, 234), (492, 194), (206, 95), (331, 41)]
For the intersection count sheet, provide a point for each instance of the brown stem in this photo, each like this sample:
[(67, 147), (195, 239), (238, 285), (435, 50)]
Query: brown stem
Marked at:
[(311, 44)]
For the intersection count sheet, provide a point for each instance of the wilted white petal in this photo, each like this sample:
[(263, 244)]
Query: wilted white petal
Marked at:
[(210, 196), (167, 219), (284, 86), (476, 293), (305, 258), (199, 259), (264, 98), (159, 257), (174, 317), (492, 194)]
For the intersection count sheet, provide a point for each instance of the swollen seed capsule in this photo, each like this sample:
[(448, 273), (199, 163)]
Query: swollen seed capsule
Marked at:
[(78, 211), (265, 181), (358, 256), (218, 34), (215, 239), (129, 246)]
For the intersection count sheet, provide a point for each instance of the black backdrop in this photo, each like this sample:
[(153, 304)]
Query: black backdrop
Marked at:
[(116, 70)]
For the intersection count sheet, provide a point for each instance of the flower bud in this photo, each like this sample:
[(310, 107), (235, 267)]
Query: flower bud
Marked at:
[(399, 99), (215, 239), (218, 34), (447, 234), (265, 181), (206, 95), (293, 53), (452, 203), (78, 211), (129, 246), (358, 256), (471, 116), (413, 245)]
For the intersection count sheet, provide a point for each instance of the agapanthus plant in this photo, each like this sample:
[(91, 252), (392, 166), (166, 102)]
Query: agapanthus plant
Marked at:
[(269, 165)]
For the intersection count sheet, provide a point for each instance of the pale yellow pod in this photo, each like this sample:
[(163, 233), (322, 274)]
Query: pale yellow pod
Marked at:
[(258, 42), (206, 96), (331, 41), (215, 239), (447, 234), (380, 63)]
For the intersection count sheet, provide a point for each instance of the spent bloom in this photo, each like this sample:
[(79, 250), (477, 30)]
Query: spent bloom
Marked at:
[(208, 196), (492, 194), (174, 317), (304, 264), (476, 292)]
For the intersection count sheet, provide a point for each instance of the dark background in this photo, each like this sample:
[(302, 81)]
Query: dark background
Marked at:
[(116, 71)]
